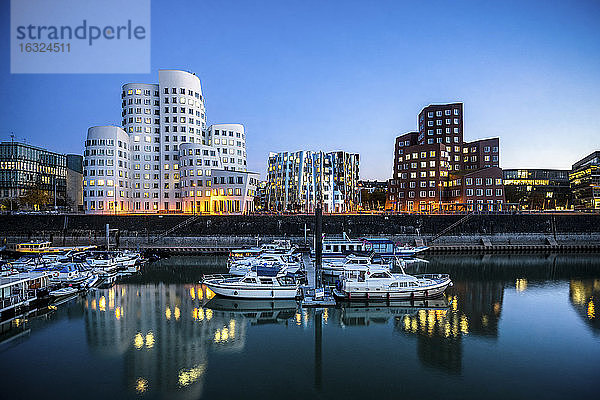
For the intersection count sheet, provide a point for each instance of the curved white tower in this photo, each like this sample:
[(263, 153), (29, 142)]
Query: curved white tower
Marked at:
[(183, 120), (141, 120), (106, 163), (230, 139)]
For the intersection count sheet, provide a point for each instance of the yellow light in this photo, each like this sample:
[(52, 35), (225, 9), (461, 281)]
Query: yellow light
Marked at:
[(118, 313), (149, 340), (591, 311), (102, 304), (141, 385), (209, 293), (208, 314), (298, 319), (325, 315), (94, 304), (177, 313), (192, 293), (521, 285), (138, 341), (464, 324), (168, 313), (187, 377), (217, 336), (200, 294)]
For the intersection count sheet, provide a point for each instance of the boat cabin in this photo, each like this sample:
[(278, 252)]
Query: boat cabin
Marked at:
[(33, 247)]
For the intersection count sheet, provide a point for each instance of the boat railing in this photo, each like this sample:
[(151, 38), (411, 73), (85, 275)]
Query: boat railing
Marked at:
[(218, 276), (433, 276)]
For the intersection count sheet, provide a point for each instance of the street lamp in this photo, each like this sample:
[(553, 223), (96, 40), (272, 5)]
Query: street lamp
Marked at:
[(440, 202)]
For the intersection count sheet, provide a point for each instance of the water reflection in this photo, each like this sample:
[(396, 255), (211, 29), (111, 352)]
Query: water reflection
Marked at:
[(584, 295), (172, 338)]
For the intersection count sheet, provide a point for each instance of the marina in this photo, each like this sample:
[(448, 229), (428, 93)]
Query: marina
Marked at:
[(498, 319)]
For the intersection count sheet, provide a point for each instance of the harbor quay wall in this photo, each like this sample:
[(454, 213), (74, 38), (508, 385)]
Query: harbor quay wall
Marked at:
[(233, 231)]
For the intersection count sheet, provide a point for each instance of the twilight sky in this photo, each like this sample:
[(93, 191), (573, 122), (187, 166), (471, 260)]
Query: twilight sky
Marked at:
[(349, 75)]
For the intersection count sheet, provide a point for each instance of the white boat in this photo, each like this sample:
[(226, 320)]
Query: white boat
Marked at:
[(253, 286), (69, 273), (380, 283), (277, 247), (291, 262), (90, 281), (66, 291), (336, 267)]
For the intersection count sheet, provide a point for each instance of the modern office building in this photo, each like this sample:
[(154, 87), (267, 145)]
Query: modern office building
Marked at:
[(585, 182), (433, 167), (296, 180), (538, 189), (230, 140), (31, 177), (163, 123), (75, 182)]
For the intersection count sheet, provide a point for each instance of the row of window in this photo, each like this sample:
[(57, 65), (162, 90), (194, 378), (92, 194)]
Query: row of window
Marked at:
[(447, 112)]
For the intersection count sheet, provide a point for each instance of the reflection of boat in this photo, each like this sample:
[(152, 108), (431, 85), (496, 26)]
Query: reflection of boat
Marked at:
[(380, 283), (228, 304), (66, 291), (253, 286), (364, 316)]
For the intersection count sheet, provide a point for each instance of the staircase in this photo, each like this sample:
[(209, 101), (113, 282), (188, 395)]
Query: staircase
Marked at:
[(180, 225), (454, 225)]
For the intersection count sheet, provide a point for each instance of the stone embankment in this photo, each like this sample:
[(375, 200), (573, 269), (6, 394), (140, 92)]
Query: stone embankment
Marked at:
[(520, 232)]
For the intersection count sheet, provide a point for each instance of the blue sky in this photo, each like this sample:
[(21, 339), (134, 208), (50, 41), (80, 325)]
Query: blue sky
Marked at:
[(349, 76)]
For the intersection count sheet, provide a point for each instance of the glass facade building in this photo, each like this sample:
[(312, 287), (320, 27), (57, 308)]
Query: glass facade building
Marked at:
[(24, 167)]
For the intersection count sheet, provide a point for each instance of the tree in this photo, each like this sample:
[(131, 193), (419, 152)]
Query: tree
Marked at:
[(35, 198)]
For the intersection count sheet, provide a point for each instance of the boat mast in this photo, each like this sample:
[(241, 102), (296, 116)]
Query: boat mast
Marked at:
[(319, 223)]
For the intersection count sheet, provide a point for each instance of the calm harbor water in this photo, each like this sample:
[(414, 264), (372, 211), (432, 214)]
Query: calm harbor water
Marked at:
[(517, 326)]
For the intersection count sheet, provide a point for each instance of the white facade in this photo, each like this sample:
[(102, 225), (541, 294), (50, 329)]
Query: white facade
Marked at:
[(163, 123), (230, 139), (106, 183)]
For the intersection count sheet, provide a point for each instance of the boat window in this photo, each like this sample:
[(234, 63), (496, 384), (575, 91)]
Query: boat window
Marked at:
[(379, 275), (335, 248), (249, 280), (266, 281), (343, 247), (413, 284), (395, 284)]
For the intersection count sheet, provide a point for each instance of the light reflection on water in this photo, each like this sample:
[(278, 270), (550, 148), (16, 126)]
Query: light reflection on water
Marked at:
[(160, 335)]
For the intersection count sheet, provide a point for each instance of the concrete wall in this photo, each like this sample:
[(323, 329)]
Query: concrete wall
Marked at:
[(354, 225)]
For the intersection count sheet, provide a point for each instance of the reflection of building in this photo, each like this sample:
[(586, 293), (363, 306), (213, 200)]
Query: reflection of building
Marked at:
[(585, 182), (295, 178), (585, 297), (164, 333), (538, 189), (474, 310), (31, 174)]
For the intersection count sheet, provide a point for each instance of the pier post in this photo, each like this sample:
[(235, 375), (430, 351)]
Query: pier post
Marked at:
[(318, 244)]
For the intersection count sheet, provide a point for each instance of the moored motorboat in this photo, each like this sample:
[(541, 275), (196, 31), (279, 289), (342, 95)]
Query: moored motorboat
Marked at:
[(66, 291), (291, 262), (380, 283), (277, 285), (336, 267)]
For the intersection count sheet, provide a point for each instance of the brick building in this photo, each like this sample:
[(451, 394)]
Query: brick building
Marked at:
[(434, 169)]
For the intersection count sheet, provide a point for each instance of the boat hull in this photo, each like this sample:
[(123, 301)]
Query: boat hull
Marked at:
[(429, 292), (240, 292)]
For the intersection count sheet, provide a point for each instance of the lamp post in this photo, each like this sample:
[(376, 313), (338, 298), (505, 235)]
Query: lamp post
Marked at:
[(440, 202)]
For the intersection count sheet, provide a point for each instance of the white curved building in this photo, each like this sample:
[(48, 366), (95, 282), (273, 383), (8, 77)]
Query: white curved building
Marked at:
[(106, 165), (159, 120), (230, 139), (183, 120)]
